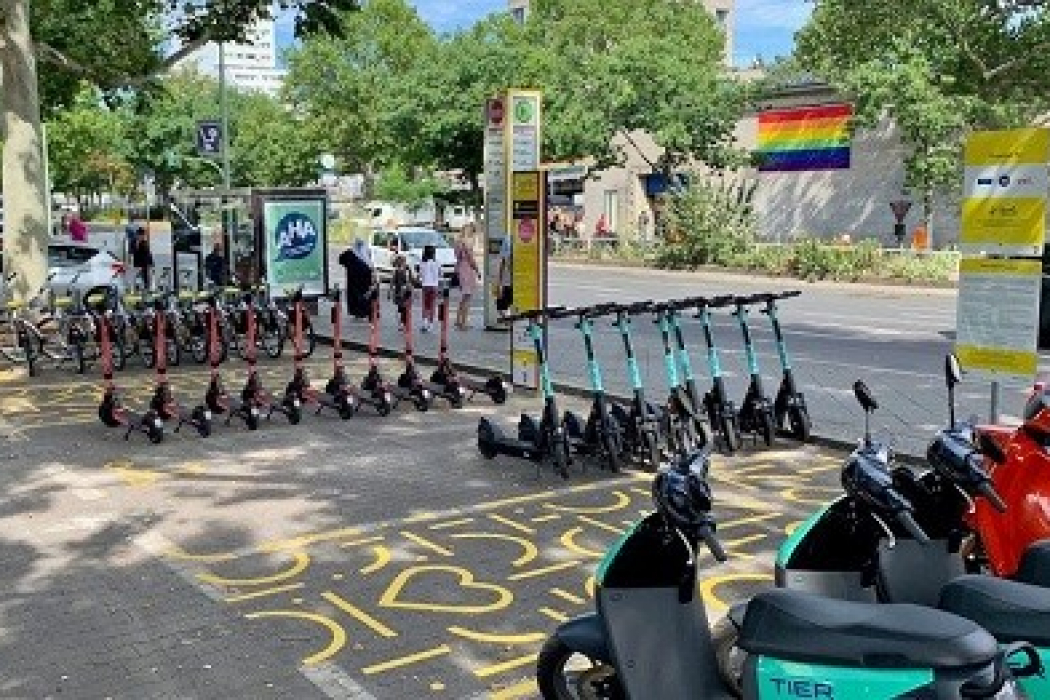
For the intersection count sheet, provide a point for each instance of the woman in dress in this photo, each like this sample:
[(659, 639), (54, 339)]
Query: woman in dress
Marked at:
[(467, 272)]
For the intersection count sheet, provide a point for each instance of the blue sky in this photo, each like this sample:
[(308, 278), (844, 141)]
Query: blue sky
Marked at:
[(764, 28)]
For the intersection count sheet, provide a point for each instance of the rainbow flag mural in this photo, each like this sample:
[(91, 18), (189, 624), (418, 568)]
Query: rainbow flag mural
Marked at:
[(807, 138)]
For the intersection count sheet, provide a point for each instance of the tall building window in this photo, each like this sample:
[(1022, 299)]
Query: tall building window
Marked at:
[(722, 19), (518, 13)]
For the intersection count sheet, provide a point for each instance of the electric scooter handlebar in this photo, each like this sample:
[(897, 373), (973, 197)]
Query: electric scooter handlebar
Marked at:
[(715, 303), (706, 534), (547, 312), (866, 478), (954, 455)]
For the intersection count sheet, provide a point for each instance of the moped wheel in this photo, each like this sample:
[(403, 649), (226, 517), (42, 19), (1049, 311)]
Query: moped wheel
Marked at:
[(799, 423), (563, 674), (729, 657)]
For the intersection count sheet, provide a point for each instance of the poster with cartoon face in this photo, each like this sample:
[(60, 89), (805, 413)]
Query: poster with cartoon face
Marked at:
[(295, 246)]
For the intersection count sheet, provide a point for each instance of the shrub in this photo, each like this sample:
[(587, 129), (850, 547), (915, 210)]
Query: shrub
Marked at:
[(710, 223)]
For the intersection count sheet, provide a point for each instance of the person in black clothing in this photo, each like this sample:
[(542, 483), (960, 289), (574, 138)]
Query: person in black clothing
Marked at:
[(215, 265), (142, 260), (360, 279)]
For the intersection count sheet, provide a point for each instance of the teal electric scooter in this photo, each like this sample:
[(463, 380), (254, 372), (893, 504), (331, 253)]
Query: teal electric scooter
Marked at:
[(789, 406), (756, 410), (641, 421), (601, 434), (721, 411), (537, 441), (680, 421), (685, 364), (649, 637)]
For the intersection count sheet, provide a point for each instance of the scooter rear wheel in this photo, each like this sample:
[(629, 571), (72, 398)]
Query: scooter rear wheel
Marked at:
[(563, 674), (612, 444), (767, 428), (799, 424), (560, 455), (486, 440), (294, 413), (727, 428)]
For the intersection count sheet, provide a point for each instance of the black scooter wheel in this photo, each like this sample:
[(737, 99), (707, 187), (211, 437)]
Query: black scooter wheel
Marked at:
[(767, 427), (486, 440), (201, 421), (798, 423), (293, 412), (251, 421), (612, 445), (154, 432), (422, 403), (384, 403), (107, 416), (498, 394), (560, 456), (727, 428), (651, 457), (553, 681)]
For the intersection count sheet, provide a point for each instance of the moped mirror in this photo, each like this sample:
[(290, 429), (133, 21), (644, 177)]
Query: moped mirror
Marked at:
[(864, 396)]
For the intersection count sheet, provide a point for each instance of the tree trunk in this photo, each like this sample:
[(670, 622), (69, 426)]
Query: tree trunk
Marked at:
[(25, 192)]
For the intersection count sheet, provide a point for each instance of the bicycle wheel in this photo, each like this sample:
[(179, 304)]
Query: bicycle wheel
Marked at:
[(10, 347)]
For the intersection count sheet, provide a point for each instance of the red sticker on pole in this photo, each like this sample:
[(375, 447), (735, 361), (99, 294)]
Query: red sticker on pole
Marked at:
[(495, 110)]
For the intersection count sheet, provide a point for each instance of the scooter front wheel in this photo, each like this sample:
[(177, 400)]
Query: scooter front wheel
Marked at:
[(799, 424), (767, 427), (563, 674), (731, 441), (560, 455)]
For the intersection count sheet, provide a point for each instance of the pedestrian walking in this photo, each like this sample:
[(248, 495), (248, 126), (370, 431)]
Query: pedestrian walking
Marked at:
[(467, 275), (215, 265), (78, 232), (142, 260), (401, 282), (430, 278), (360, 279)]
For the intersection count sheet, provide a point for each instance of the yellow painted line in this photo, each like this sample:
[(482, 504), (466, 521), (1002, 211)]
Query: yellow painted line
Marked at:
[(522, 575), (260, 594), (450, 523), (531, 551), (590, 585), (496, 669), (180, 553), (764, 466), (821, 468), (419, 517), (742, 555), (791, 527), (338, 634), (512, 523), (568, 540), (364, 540), (741, 541), (708, 586), (749, 520), (642, 492), (383, 557), (565, 595), (390, 599), (497, 638), (306, 540), (358, 614), (426, 544), (525, 689), (622, 500), (406, 660), (545, 518), (599, 524), (302, 561), (554, 615)]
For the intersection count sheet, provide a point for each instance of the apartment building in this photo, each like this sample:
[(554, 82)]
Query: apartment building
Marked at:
[(249, 66)]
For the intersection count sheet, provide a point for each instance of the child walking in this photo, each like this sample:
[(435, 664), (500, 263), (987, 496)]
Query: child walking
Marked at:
[(401, 289), (430, 277)]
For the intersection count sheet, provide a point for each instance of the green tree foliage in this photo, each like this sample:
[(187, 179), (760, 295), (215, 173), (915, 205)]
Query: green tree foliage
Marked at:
[(346, 87), (939, 68), (396, 183)]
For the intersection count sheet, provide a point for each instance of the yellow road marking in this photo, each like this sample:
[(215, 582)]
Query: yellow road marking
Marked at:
[(302, 560), (450, 523), (496, 669), (522, 575), (599, 524), (358, 614), (338, 634), (512, 523), (740, 541), (568, 540), (545, 518), (708, 586), (265, 592), (390, 599), (306, 540), (554, 615), (180, 553), (406, 660), (622, 500), (751, 519), (497, 638), (525, 689), (565, 595), (531, 551), (590, 585), (383, 557), (427, 544), (365, 540)]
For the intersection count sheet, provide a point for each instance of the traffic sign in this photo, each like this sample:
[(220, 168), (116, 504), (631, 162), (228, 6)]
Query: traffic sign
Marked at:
[(900, 208), (209, 138)]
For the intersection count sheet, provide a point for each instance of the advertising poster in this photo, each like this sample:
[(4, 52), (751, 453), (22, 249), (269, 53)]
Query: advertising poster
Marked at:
[(528, 228), (294, 245), (998, 316), (1005, 187), (495, 182)]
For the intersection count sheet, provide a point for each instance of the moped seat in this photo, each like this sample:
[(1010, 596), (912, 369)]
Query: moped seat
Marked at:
[(1011, 611), (1035, 564), (797, 626)]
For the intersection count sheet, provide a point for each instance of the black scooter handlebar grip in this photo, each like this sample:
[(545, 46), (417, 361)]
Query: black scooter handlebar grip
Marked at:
[(907, 521), (987, 489), (707, 536)]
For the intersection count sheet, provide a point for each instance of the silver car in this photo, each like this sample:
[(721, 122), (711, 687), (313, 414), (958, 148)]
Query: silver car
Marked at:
[(80, 267), (410, 241)]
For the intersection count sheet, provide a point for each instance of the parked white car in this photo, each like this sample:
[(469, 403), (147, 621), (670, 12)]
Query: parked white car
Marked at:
[(73, 266), (410, 241)]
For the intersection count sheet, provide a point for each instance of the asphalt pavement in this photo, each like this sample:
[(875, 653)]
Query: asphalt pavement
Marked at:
[(894, 338)]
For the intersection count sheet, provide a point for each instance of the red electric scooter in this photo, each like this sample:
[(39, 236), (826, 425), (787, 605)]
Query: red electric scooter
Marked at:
[(111, 410), (216, 397), (451, 383), (337, 394), (163, 401), (376, 391)]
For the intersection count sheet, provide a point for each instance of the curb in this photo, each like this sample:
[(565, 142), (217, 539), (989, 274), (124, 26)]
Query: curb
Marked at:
[(582, 392)]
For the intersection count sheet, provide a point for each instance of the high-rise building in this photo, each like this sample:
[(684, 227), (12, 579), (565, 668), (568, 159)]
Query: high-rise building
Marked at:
[(723, 11), (249, 66)]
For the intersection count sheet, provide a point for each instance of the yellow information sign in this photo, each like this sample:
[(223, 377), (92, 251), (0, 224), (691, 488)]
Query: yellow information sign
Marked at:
[(1004, 212), (998, 316), (528, 232)]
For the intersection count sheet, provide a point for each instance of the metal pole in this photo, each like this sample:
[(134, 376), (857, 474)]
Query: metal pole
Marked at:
[(224, 108), (994, 418)]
